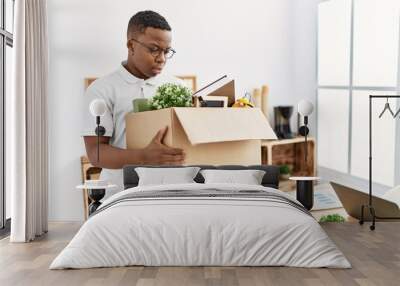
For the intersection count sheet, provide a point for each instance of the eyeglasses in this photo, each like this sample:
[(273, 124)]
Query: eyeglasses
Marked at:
[(156, 51)]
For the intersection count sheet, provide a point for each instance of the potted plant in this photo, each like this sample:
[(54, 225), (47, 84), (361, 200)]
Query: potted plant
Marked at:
[(167, 95), (285, 172), (171, 95), (332, 218)]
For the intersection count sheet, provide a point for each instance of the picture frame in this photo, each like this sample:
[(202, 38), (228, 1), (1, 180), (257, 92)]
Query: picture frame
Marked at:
[(88, 81), (190, 80)]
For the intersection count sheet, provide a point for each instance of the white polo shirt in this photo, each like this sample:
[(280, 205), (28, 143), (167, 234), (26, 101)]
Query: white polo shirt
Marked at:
[(118, 90)]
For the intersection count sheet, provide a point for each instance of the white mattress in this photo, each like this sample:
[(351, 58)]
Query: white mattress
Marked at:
[(200, 231)]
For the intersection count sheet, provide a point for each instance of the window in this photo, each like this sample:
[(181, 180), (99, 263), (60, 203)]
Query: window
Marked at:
[(333, 128), (376, 40), (358, 55), (6, 44), (384, 128), (334, 22)]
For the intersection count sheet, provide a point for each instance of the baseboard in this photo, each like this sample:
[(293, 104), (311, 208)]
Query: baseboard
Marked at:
[(65, 221)]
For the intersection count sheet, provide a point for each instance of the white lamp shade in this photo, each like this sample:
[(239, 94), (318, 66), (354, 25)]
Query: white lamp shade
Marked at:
[(305, 107), (98, 107)]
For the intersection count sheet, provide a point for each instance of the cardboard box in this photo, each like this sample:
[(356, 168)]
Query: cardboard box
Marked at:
[(208, 135), (225, 92)]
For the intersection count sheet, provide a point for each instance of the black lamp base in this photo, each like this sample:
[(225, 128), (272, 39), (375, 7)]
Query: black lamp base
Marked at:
[(95, 195), (305, 193)]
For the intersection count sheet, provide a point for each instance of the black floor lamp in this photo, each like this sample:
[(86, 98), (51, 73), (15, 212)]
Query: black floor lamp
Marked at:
[(394, 115)]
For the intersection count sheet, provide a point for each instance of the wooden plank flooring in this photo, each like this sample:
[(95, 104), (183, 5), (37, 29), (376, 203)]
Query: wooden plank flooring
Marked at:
[(375, 257)]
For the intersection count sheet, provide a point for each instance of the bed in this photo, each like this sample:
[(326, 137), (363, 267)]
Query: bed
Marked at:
[(201, 224)]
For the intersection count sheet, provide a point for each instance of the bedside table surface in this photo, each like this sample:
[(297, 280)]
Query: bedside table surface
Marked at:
[(304, 178), (109, 186)]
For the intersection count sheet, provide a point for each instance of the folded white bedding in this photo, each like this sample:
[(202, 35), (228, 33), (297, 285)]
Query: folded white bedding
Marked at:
[(201, 224)]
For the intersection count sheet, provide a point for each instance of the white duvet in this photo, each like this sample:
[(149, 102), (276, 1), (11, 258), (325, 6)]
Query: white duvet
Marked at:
[(200, 231)]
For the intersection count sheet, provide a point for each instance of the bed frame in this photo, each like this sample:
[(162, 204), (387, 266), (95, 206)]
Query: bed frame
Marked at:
[(270, 179)]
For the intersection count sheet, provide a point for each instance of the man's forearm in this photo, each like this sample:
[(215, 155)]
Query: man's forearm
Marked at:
[(115, 158)]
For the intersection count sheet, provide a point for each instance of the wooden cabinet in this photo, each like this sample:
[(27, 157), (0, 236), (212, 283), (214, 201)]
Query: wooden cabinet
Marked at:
[(291, 152)]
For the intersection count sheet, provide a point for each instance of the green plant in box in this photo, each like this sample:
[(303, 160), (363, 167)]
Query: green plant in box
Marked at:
[(284, 169), (332, 218), (171, 95)]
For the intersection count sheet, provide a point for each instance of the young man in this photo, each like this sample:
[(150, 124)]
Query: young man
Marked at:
[(149, 48)]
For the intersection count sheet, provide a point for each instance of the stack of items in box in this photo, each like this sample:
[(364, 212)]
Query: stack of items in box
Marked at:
[(208, 135)]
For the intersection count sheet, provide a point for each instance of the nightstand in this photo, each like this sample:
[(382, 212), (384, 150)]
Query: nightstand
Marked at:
[(305, 190), (89, 172), (96, 193)]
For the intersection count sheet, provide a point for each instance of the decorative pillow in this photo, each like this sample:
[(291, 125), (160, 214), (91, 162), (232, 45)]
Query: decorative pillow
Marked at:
[(248, 177), (163, 176)]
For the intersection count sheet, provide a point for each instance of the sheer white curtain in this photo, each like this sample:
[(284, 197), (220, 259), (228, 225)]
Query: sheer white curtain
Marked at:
[(29, 144)]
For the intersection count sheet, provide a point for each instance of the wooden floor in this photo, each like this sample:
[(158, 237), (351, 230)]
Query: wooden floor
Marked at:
[(375, 257)]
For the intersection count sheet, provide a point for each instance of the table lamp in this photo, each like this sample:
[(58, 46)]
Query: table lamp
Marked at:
[(305, 185), (305, 108), (97, 109), (96, 188)]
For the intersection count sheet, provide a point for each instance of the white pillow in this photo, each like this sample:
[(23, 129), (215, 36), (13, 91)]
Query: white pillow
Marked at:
[(163, 176), (248, 177)]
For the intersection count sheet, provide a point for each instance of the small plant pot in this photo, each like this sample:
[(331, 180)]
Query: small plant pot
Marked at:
[(285, 176), (141, 104)]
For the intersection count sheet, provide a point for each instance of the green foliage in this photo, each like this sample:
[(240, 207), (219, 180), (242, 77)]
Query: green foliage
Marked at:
[(284, 169), (171, 95), (332, 218), (141, 104)]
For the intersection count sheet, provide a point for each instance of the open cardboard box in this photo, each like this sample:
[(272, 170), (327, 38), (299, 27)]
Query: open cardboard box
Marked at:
[(208, 135), (224, 93)]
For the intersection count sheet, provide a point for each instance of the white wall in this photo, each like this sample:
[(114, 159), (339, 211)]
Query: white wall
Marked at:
[(305, 20), (256, 42)]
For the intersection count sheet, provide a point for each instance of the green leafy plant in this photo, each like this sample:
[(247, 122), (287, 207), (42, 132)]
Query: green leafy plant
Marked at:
[(171, 95), (141, 104), (332, 218), (284, 169)]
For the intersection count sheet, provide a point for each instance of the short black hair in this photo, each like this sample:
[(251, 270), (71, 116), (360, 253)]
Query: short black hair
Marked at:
[(145, 19)]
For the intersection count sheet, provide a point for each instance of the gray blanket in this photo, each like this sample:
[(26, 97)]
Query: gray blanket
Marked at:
[(207, 193)]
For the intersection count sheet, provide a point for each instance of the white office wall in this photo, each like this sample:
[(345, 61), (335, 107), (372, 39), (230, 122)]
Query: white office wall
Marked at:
[(256, 42)]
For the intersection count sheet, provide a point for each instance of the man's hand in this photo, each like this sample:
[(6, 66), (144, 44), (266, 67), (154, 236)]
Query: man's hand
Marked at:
[(158, 153)]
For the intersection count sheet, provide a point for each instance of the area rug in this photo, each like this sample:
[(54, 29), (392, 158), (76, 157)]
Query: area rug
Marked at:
[(324, 197)]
